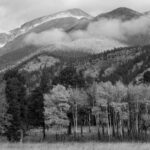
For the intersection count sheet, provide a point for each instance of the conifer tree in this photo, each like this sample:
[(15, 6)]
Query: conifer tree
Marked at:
[(36, 108), (15, 92)]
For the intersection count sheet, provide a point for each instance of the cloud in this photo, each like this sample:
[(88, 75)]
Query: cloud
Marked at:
[(47, 37), (132, 32), (99, 36), (94, 45), (86, 41)]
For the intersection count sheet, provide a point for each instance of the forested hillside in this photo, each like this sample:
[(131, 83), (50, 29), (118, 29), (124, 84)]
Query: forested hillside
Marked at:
[(106, 92), (126, 64)]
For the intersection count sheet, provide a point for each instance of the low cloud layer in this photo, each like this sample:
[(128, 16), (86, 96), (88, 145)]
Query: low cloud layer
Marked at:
[(99, 36), (133, 32), (47, 37), (78, 40)]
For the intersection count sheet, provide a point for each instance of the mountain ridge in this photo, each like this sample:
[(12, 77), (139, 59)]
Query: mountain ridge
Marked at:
[(24, 28), (121, 13)]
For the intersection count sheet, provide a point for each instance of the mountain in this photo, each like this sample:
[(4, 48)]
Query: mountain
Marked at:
[(121, 13), (126, 64), (4, 37), (71, 13), (147, 13), (69, 20), (66, 20), (26, 27), (64, 23), (16, 50)]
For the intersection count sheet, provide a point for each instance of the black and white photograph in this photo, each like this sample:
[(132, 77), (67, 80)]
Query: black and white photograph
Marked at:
[(74, 74)]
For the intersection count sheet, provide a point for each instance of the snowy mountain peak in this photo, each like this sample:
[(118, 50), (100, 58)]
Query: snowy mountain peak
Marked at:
[(73, 13), (79, 12)]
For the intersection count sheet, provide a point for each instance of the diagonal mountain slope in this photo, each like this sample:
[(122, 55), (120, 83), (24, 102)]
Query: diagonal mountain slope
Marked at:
[(26, 27), (121, 13)]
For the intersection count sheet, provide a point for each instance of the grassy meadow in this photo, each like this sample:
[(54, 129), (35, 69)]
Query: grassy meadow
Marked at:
[(87, 142), (77, 146), (33, 142)]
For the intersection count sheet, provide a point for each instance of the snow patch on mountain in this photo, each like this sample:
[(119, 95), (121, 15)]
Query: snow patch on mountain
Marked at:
[(2, 45), (58, 16), (50, 18)]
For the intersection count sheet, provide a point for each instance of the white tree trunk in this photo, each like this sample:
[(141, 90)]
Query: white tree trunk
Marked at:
[(21, 136), (76, 115)]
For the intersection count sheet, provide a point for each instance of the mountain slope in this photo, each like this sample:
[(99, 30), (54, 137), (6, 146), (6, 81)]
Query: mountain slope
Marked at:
[(132, 70), (71, 13), (126, 64), (64, 23), (4, 37), (121, 13), (92, 62), (147, 13)]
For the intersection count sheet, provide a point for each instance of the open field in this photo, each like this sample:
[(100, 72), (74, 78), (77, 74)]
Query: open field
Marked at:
[(77, 146)]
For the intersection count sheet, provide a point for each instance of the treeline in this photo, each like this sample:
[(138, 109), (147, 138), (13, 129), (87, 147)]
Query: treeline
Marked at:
[(69, 100), (128, 71)]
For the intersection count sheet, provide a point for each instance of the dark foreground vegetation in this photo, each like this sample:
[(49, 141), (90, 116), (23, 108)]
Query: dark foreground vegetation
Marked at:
[(67, 102)]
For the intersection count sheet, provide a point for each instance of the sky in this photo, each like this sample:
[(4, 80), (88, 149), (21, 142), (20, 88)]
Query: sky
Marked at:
[(13, 13)]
